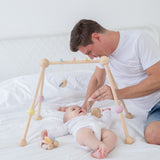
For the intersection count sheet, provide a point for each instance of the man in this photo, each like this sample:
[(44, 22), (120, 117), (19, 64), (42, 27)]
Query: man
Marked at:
[(134, 60)]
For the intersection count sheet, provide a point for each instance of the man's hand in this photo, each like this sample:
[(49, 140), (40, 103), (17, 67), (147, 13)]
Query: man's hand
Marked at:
[(62, 109), (102, 93)]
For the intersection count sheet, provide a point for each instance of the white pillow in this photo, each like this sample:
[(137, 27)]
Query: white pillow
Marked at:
[(20, 90)]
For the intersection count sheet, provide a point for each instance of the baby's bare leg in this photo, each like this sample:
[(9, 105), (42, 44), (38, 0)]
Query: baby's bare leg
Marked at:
[(109, 138), (86, 137), (109, 141)]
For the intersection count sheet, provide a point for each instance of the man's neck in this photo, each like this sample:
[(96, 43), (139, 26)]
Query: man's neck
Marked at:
[(116, 37)]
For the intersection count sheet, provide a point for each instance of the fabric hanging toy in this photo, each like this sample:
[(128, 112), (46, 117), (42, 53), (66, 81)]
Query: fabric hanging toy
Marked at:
[(96, 112)]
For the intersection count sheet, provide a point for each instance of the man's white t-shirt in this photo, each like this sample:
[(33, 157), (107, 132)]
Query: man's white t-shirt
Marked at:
[(136, 52)]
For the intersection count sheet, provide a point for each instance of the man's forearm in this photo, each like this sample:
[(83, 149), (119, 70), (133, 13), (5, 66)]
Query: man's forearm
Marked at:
[(92, 87), (146, 87)]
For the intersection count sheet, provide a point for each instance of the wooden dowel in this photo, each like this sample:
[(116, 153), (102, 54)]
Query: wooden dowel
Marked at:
[(38, 116), (128, 114), (38, 86), (104, 62), (23, 141), (74, 62)]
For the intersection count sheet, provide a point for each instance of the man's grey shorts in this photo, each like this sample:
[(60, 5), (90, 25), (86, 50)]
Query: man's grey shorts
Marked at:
[(153, 114)]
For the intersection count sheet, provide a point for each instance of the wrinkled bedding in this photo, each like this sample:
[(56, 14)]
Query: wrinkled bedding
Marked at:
[(16, 97)]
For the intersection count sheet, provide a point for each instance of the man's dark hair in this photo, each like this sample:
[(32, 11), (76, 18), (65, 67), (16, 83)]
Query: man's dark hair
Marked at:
[(81, 33)]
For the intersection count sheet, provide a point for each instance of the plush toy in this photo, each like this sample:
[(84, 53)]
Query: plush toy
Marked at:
[(96, 112), (49, 143)]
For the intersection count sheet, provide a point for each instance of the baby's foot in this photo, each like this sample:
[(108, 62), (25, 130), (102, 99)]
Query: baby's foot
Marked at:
[(44, 133), (101, 152)]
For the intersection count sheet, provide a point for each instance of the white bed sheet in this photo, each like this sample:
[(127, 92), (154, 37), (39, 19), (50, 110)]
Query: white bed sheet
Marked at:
[(16, 96)]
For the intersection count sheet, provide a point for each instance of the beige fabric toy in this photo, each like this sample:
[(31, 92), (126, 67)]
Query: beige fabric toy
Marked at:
[(96, 112)]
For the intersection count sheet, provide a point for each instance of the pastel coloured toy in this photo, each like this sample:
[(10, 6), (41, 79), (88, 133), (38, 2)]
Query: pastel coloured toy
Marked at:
[(44, 63), (61, 60), (119, 109), (49, 143)]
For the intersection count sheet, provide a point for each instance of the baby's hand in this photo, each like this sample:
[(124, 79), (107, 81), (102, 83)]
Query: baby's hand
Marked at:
[(44, 133), (62, 109)]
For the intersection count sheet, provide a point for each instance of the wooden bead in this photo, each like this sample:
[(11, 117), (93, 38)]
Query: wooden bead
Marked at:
[(31, 111), (61, 60), (44, 62), (104, 60)]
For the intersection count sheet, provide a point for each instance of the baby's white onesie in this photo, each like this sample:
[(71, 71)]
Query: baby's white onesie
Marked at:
[(89, 121)]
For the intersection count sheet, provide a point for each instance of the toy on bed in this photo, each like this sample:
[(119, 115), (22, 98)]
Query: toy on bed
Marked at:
[(44, 63), (49, 143)]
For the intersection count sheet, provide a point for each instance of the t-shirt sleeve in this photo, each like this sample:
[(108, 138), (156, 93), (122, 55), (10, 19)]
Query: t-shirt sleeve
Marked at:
[(149, 52), (98, 64)]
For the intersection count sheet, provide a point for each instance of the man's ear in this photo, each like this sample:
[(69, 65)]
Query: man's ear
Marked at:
[(95, 36)]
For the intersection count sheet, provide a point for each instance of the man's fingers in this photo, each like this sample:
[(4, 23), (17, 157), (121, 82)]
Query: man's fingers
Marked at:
[(97, 94), (102, 93)]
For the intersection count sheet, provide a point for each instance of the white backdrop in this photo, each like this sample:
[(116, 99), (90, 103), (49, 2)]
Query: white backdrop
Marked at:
[(45, 17), (34, 29)]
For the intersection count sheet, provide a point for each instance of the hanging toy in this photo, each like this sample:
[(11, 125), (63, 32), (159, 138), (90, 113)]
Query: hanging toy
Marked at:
[(63, 83), (49, 143), (96, 112)]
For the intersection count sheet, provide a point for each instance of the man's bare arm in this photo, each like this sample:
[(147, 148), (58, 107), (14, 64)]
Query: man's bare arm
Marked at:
[(146, 87), (96, 81)]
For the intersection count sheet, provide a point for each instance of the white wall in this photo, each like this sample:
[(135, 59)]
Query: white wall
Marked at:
[(38, 18), (21, 18)]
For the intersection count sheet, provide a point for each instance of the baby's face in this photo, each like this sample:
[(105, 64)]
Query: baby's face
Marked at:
[(75, 111)]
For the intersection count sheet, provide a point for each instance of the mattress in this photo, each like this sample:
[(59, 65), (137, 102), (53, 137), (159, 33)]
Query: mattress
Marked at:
[(16, 97)]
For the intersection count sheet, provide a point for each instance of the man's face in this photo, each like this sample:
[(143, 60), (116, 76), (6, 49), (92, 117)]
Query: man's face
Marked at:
[(96, 49)]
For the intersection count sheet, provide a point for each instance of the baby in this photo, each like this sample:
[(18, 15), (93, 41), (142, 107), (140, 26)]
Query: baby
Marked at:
[(89, 131)]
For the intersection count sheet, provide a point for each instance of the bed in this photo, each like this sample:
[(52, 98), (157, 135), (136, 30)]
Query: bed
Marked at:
[(16, 97)]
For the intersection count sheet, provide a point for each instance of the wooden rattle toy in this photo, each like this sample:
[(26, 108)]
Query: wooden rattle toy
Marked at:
[(49, 143)]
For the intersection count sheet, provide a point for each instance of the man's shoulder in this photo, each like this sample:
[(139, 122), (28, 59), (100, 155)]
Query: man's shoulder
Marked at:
[(132, 33), (135, 33)]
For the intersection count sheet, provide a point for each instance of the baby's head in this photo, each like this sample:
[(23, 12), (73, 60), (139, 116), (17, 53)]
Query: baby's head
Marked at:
[(73, 111)]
